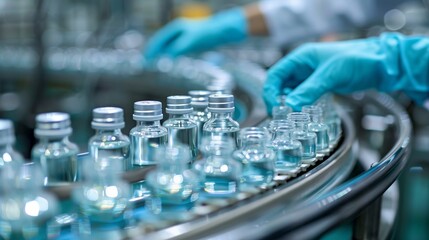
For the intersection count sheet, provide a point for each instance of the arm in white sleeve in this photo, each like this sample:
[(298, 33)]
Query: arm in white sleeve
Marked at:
[(293, 20)]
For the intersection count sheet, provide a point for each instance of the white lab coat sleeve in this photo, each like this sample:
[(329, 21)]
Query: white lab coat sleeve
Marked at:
[(293, 20)]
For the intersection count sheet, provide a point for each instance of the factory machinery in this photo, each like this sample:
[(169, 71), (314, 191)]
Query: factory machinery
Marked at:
[(355, 183)]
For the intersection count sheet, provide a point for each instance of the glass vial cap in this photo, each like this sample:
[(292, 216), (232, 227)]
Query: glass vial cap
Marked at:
[(53, 124), (7, 135), (179, 104), (107, 118), (221, 103), (147, 111), (199, 97)]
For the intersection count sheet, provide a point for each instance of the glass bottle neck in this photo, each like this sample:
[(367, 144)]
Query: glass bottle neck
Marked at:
[(200, 108), (149, 123), (316, 118), (53, 139), (253, 144), (108, 131), (301, 126), (175, 115), (221, 115)]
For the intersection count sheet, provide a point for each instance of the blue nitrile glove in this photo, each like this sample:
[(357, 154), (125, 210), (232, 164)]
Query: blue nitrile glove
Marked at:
[(188, 36), (389, 63)]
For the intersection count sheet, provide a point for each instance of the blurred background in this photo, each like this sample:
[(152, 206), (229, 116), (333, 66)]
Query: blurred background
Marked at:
[(74, 55)]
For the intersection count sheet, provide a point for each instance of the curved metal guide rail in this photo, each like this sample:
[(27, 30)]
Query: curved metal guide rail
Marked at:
[(311, 219)]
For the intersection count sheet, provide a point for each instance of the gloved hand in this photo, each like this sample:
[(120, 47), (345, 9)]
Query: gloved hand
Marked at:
[(186, 36), (389, 63)]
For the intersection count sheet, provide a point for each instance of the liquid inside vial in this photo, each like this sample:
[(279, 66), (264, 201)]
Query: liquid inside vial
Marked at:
[(104, 152), (288, 157), (59, 165), (143, 149), (322, 139), (258, 172), (308, 143), (186, 136)]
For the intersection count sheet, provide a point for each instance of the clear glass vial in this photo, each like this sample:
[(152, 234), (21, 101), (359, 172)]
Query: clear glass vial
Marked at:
[(26, 210), (200, 115), (218, 172), (148, 135), (288, 150), (318, 127), (173, 186), (181, 128), (221, 125), (7, 139), (54, 152), (301, 133), (330, 117), (102, 199), (257, 159), (109, 144), (272, 128)]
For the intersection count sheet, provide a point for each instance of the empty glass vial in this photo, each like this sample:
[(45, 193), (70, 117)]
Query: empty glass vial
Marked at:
[(173, 186), (218, 172), (221, 125), (109, 144), (301, 133), (102, 199), (181, 129), (318, 127), (54, 152), (330, 117), (256, 158), (272, 128), (281, 112), (148, 135), (7, 139), (289, 151), (200, 115), (25, 208)]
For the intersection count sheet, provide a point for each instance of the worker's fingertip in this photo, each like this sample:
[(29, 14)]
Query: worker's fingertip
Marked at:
[(297, 99), (294, 104)]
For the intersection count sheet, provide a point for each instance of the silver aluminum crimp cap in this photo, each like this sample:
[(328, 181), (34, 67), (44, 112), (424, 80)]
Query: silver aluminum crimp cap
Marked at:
[(107, 118), (53, 124), (199, 97), (147, 111), (179, 104), (221, 103)]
